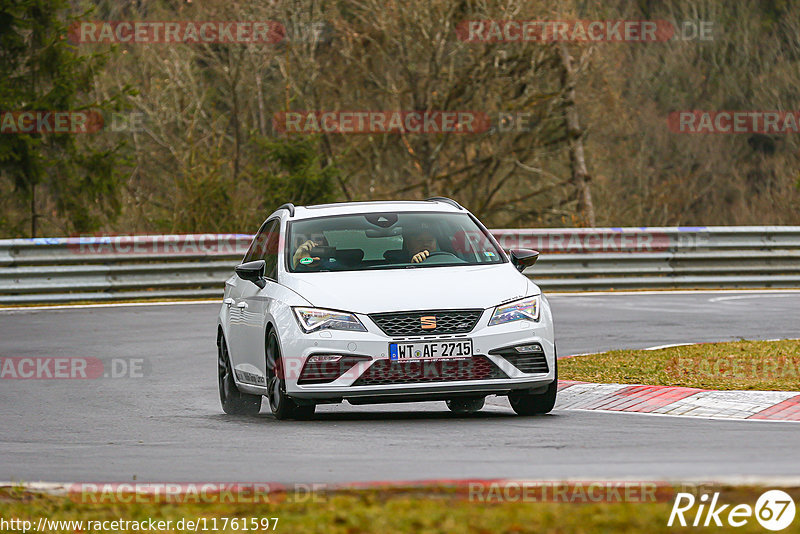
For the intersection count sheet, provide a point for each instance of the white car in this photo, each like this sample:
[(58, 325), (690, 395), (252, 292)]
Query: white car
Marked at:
[(375, 302)]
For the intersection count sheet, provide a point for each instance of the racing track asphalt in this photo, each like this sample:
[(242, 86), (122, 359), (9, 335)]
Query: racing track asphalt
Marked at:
[(167, 425)]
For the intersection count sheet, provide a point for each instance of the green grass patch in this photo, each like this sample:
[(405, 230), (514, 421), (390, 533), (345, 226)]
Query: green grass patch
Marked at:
[(736, 365), (380, 511)]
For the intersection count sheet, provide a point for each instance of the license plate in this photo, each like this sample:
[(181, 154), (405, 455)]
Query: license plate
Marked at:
[(431, 350)]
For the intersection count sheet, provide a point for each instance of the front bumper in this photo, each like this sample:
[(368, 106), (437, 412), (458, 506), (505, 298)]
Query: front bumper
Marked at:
[(373, 345)]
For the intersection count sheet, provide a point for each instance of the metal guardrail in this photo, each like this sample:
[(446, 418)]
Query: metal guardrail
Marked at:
[(112, 268)]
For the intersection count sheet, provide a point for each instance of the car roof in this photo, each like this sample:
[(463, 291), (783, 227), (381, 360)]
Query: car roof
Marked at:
[(348, 208)]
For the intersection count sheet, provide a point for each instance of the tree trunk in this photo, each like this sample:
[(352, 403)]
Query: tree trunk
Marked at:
[(33, 210), (580, 175), (262, 118)]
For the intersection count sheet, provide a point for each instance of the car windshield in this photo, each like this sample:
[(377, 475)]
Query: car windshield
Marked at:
[(387, 240)]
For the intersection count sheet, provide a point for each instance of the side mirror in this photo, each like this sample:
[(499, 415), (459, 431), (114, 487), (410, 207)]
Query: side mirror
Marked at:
[(522, 258), (253, 271)]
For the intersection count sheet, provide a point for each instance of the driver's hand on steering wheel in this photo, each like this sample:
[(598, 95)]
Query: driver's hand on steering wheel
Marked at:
[(303, 251), (420, 257)]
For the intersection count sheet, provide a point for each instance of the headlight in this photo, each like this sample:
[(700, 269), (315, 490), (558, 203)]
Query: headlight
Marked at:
[(315, 319), (525, 309)]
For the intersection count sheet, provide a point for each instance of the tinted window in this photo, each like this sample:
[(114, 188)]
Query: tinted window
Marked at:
[(265, 247), (257, 244), (270, 252)]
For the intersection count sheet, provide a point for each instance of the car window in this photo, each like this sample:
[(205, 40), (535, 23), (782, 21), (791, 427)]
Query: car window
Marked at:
[(256, 244), (387, 240), (270, 250), (265, 247)]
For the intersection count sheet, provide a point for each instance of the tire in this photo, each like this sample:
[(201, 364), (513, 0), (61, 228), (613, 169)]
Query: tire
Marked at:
[(234, 402), (542, 403), (282, 405), (466, 405)]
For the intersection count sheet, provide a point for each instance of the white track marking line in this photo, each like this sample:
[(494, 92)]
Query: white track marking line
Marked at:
[(669, 292), (742, 297), (670, 345), (657, 347), (648, 348), (581, 354), (106, 305), (653, 414)]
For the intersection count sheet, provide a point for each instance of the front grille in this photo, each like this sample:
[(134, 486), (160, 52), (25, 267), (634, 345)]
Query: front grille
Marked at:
[(384, 372), (410, 323)]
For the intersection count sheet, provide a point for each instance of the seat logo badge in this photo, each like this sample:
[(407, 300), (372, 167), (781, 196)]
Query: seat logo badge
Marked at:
[(428, 322)]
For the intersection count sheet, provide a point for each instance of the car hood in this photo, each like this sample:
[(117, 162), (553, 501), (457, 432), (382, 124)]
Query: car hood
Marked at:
[(426, 288)]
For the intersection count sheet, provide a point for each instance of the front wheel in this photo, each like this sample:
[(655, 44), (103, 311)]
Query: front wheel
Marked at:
[(282, 406), (541, 403), (234, 402)]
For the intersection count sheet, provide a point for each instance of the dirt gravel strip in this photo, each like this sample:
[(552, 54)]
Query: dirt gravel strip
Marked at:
[(690, 402)]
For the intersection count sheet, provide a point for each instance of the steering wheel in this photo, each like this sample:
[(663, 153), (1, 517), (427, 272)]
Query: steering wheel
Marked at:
[(442, 256), (441, 253)]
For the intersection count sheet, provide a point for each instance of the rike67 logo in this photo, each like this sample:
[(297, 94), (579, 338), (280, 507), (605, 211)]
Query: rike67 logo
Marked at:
[(774, 510)]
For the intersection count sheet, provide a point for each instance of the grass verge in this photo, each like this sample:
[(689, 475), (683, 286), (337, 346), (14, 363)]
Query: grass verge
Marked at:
[(352, 512), (736, 365)]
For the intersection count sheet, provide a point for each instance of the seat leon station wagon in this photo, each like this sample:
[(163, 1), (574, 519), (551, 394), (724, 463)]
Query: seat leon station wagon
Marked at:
[(375, 302)]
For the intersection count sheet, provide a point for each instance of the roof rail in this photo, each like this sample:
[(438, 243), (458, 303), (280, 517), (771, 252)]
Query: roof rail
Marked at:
[(446, 201), (288, 206)]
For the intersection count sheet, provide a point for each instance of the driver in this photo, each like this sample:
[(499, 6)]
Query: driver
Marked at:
[(419, 244)]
